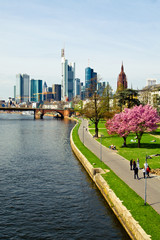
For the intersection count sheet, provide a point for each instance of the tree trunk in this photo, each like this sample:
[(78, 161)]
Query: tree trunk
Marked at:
[(96, 129), (124, 144), (139, 139)]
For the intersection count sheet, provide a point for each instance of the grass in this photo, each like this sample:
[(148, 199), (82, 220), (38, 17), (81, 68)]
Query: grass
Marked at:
[(147, 148), (147, 217)]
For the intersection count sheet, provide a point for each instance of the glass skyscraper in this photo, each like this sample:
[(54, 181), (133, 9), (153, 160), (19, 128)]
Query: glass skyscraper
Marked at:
[(36, 91), (90, 81), (22, 88), (68, 78)]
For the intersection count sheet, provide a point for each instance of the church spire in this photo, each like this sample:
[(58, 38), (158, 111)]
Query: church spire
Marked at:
[(122, 68)]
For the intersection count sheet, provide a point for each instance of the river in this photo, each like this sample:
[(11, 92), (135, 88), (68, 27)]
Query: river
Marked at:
[(44, 191)]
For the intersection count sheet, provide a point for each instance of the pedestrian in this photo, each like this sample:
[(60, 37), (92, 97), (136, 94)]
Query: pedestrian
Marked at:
[(148, 170), (144, 172), (131, 164), (138, 163), (134, 164), (136, 173)]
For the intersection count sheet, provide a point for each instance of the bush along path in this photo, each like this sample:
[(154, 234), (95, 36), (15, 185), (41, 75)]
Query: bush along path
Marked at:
[(122, 181)]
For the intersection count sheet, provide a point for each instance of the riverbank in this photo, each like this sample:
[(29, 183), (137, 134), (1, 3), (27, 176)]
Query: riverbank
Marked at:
[(139, 213)]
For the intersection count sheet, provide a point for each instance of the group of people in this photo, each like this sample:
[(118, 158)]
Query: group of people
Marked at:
[(135, 167), (113, 147)]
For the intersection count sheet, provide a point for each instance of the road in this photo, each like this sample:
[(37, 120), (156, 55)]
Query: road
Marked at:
[(121, 167)]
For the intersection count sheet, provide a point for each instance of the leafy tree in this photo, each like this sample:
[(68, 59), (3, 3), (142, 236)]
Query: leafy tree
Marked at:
[(78, 107), (138, 120), (94, 110), (127, 98)]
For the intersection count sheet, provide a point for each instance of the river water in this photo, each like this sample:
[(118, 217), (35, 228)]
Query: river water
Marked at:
[(44, 191)]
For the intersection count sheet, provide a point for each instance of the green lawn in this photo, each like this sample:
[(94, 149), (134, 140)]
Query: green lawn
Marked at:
[(148, 147), (147, 217)]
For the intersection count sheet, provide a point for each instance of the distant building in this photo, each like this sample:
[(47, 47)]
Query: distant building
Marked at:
[(36, 94), (22, 88), (122, 80), (77, 88), (82, 91), (100, 88), (56, 90), (90, 82), (67, 78), (151, 82)]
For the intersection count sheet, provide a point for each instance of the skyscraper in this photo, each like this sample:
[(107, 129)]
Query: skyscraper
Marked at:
[(67, 78), (90, 81), (77, 88), (22, 88), (56, 90), (122, 80), (36, 90)]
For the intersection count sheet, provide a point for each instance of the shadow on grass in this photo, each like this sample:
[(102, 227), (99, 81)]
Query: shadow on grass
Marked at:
[(144, 145)]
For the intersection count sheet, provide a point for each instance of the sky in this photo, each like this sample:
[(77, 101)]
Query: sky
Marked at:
[(100, 34)]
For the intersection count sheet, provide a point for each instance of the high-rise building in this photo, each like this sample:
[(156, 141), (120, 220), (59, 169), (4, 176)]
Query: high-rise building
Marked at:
[(82, 91), (67, 78), (56, 90), (151, 82), (77, 88), (36, 94), (90, 81), (22, 88), (122, 80), (101, 87)]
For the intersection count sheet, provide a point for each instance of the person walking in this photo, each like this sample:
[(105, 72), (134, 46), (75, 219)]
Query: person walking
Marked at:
[(134, 164), (131, 161), (148, 170), (144, 172), (136, 173), (138, 163)]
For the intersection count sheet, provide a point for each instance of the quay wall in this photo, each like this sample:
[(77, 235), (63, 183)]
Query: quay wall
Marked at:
[(132, 227)]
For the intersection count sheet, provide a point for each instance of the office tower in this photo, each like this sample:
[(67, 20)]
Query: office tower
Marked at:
[(22, 88), (101, 86), (122, 80), (14, 92), (67, 78), (90, 81), (82, 91), (36, 94), (48, 95), (77, 88), (151, 82), (56, 90)]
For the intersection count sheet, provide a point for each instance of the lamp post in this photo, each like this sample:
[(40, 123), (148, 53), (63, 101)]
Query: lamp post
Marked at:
[(101, 148), (145, 197)]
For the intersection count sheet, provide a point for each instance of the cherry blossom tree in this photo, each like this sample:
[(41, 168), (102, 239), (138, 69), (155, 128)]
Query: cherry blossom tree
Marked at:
[(119, 125), (138, 120), (143, 119)]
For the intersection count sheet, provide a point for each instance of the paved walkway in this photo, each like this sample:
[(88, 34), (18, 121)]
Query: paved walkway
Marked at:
[(121, 167)]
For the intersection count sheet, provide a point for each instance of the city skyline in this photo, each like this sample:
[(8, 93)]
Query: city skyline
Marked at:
[(100, 34)]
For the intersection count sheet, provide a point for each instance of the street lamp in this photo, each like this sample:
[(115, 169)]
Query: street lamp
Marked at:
[(145, 198), (101, 148)]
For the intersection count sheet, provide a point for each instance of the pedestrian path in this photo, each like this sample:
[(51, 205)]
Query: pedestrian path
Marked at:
[(121, 167)]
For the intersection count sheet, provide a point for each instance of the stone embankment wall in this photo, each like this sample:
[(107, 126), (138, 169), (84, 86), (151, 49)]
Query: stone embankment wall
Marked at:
[(129, 223)]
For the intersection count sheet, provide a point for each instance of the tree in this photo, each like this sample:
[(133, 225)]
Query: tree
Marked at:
[(94, 110), (127, 98), (138, 120), (119, 125), (143, 119)]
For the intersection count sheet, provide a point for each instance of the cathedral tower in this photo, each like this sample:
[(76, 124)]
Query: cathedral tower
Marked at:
[(122, 80)]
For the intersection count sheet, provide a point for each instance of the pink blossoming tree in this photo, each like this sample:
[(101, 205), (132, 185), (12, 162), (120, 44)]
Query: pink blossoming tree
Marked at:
[(138, 120)]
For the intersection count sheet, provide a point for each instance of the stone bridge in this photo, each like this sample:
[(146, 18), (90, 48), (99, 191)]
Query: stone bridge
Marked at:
[(39, 112)]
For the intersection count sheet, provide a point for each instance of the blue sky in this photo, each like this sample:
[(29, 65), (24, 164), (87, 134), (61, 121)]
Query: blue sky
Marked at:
[(106, 32)]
